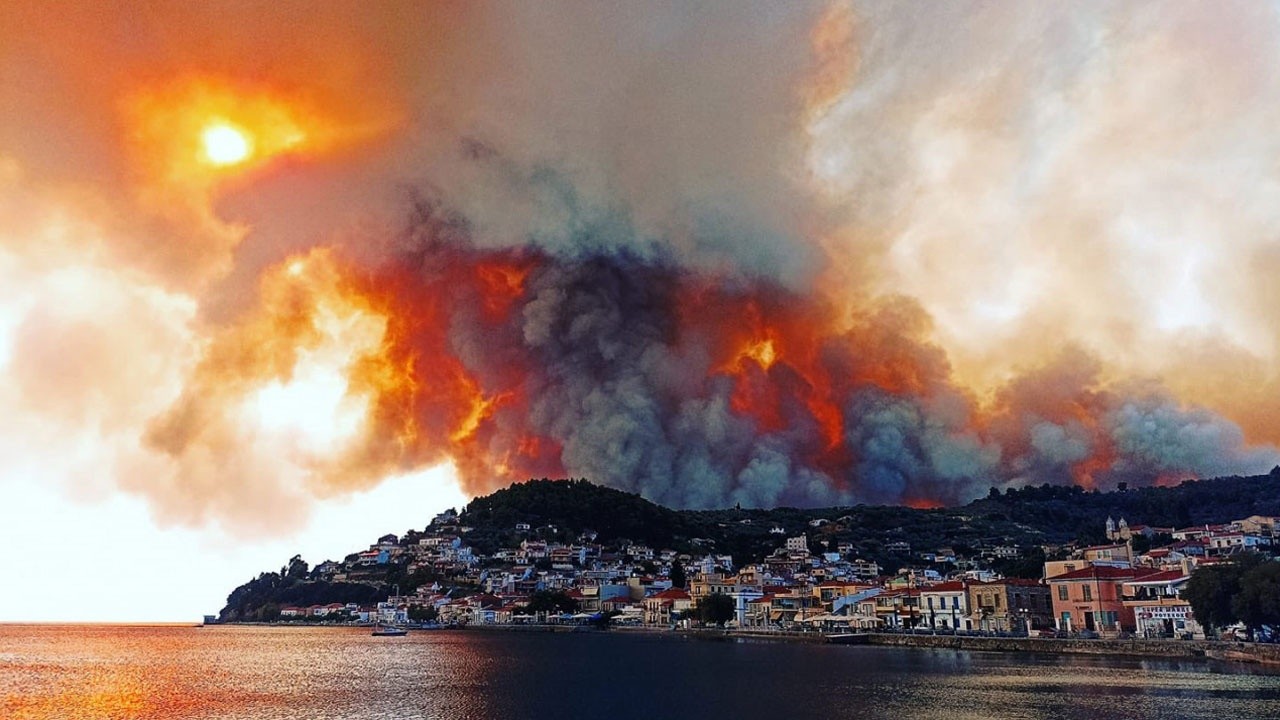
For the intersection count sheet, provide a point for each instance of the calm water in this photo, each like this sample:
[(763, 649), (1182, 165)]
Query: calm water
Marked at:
[(146, 673)]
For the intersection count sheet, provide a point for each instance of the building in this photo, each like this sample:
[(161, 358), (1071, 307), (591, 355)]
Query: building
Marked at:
[(661, 608), (1158, 608), (1010, 605), (1091, 598), (946, 605), (1257, 525), (1117, 555), (829, 592)]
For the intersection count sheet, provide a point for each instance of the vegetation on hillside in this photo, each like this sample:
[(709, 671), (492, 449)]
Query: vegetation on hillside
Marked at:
[(1029, 518)]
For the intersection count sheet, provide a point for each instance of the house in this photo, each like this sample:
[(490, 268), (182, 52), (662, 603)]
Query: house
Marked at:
[(1010, 605), (1007, 552), (1234, 542), (640, 552), (946, 605), (1091, 598), (828, 592), (758, 611), (374, 557), (1158, 608), (327, 610), (1117, 555), (787, 608), (864, 569), (898, 608), (660, 608), (1257, 525)]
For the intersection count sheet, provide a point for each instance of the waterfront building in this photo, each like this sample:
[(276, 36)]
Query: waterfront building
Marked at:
[(1091, 598), (1158, 608), (946, 605), (1010, 605)]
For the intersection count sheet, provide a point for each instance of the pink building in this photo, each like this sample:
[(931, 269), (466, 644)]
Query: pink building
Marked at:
[(1092, 598)]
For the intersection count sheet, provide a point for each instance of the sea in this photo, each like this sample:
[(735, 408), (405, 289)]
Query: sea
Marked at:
[(280, 673)]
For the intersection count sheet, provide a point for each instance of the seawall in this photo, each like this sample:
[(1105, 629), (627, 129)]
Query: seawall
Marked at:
[(1188, 649), (1233, 651)]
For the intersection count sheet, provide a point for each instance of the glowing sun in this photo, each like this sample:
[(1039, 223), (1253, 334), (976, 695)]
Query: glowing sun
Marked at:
[(225, 144)]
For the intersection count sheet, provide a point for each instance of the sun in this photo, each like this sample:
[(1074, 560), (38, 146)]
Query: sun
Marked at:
[(225, 144)]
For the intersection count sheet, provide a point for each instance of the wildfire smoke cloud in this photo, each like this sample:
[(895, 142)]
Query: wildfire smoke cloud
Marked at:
[(823, 253), (699, 390)]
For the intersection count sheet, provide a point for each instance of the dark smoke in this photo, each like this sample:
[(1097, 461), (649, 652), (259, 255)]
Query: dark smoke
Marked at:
[(630, 371)]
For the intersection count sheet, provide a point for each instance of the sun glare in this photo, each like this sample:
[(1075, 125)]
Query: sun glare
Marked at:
[(225, 144)]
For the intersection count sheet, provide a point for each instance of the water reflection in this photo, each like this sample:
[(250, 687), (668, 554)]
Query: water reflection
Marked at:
[(242, 673)]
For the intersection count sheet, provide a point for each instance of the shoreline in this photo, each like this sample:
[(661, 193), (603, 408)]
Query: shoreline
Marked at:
[(1203, 650), (1265, 655)]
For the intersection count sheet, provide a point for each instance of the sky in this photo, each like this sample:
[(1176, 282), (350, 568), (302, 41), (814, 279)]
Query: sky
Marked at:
[(278, 280)]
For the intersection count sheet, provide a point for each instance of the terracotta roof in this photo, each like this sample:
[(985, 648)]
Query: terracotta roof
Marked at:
[(1161, 577), (1100, 572), (672, 594), (949, 586)]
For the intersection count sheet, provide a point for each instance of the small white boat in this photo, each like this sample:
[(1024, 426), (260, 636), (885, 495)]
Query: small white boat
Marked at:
[(388, 631)]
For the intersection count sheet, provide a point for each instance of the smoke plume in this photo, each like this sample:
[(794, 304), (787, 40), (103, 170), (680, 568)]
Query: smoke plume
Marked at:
[(802, 254)]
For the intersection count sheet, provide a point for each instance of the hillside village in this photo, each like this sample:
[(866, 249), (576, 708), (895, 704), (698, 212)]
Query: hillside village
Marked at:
[(1132, 584)]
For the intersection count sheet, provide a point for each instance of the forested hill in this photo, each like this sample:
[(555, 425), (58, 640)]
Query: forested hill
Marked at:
[(1190, 503), (573, 506), (1031, 515), (564, 511)]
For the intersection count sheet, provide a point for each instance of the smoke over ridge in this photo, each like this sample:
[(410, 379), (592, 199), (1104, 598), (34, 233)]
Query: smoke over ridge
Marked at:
[(814, 254)]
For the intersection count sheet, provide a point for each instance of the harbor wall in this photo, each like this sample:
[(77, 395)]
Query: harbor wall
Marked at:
[(1239, 652)]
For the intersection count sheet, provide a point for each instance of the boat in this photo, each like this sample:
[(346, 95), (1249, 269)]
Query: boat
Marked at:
[(380, 630)]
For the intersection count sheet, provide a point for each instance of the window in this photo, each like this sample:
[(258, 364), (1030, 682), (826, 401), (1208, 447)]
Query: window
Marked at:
[(997, 601), (1088, 591), (1062, 592)]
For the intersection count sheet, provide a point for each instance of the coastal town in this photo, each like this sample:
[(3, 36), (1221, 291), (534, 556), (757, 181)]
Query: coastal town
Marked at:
[(1131, 586)]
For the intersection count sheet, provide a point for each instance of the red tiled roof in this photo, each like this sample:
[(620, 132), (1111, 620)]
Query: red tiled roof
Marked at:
[(950, 586), (672, 594), (1161, 577), (1099, 572)]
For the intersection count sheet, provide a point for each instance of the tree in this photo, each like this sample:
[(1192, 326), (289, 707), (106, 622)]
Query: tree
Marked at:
[(678, 577), (1258, 602), (297, 569), (548, 601), (1210, 592), (716, 609), (421, 613)]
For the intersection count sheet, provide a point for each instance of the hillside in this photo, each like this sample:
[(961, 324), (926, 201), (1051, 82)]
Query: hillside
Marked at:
[(571, 511)]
